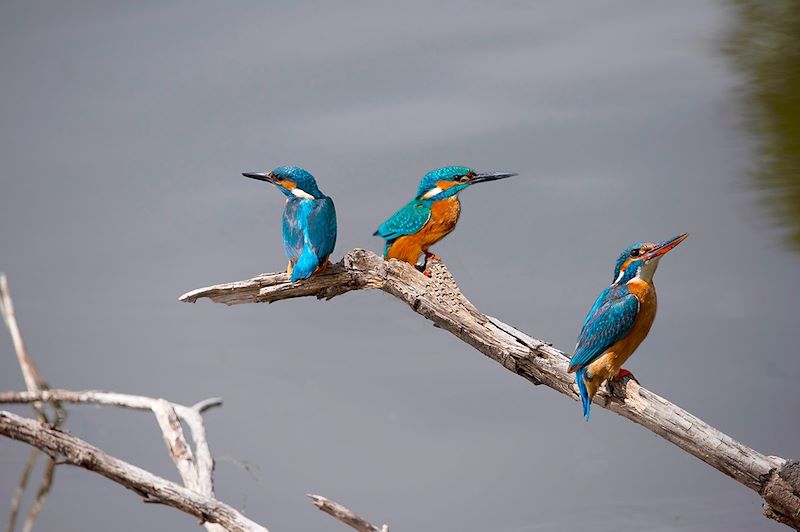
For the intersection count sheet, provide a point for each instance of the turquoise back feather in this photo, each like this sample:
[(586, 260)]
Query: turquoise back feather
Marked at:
[(407, 221)]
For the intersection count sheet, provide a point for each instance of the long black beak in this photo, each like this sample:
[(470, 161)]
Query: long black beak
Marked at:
[(665, 246), (490, 176), (261, 176)]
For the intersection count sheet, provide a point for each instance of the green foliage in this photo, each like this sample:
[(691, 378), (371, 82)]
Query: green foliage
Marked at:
[(765, 45)]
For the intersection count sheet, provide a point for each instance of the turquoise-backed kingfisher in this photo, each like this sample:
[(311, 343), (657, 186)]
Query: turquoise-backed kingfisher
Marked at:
[(431, 215), (619, 320), (309, 220)]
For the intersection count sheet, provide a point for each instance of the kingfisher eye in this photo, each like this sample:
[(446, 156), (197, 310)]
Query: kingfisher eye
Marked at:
[(636, 252), (462, 178)]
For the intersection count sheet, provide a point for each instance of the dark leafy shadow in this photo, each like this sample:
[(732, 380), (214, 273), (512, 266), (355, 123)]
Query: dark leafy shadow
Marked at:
[(764, 43)]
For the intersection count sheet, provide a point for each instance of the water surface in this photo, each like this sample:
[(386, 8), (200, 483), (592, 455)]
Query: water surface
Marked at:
[(125, 127)]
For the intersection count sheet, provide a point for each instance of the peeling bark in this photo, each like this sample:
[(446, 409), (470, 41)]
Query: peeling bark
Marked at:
[(438, 299)]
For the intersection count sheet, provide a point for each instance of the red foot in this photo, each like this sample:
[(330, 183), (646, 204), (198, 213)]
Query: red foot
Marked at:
[(625, 373), (320, 269), (431, 256), (428, 257)]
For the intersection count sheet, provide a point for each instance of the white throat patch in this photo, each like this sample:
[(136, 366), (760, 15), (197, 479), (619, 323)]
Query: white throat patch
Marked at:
[(431, 193), (647, 270), (300, 193)]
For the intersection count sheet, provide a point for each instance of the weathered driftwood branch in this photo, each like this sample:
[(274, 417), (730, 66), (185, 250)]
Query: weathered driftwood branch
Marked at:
[(195, 468), (345, 515), (30, 374), (34, 382), (77, 452), (439, 300)]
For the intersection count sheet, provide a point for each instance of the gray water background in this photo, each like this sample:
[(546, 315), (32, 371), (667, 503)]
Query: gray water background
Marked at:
[(125, 127)]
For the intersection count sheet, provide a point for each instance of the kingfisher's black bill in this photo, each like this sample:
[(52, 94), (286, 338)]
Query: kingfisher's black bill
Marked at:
[(261, 176), (665, 246), (491, 176)]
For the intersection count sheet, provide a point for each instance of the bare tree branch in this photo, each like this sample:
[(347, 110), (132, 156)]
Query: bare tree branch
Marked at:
[(34, 382), (204, 462), (33, 379), (439, 300), (16, 500), (196, 472), (345, 515), (195, 468), (80, 453), (167, 414), (180, 452), (41, 495)]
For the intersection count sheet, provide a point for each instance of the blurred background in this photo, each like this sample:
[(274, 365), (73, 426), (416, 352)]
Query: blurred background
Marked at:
[(125, 127)]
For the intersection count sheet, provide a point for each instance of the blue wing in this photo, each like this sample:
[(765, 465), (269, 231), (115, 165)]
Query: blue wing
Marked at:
[(610, 320), (407, 221), (321, 224), (309, 234), (293, 230), (601, 299)]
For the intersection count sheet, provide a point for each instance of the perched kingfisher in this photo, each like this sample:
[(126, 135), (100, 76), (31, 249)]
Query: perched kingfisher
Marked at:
[(619, 320), (309, 220), (431, 215)]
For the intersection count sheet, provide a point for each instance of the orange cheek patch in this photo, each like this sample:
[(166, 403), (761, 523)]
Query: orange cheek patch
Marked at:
[(444, 185), (288, 185)]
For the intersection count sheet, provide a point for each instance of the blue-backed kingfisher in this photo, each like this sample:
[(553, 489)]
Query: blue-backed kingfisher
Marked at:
[(431, 215), (309, 220), (619, 320)]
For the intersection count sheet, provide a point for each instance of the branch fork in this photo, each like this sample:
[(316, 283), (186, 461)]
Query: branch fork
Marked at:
[(438, 299)]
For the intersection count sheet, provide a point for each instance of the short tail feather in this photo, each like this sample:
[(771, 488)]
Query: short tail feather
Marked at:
[(306, 265), (586, 401)]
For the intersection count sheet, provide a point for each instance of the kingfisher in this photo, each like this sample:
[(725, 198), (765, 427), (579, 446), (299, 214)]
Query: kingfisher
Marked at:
[(309, 220), (619, 320), (431, 215)]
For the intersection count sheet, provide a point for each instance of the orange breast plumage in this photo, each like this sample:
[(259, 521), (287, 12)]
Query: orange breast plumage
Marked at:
[(443, 219), (609, 363)]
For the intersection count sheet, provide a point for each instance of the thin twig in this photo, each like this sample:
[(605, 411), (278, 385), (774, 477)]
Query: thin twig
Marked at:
[(33, 379), (41, 495), (345, 515), (207, 404), (20, 491), (34, 382)]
